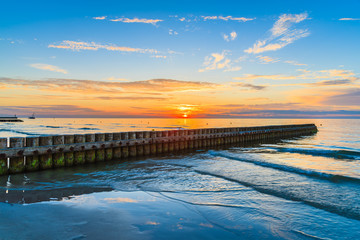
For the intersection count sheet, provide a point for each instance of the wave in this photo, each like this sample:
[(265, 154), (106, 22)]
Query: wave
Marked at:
[(345, 212), (87, 128), (286, 168), (17, 131), (337, 154), (50, 126)]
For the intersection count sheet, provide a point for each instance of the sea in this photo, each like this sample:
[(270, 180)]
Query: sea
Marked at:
[(296, 188)]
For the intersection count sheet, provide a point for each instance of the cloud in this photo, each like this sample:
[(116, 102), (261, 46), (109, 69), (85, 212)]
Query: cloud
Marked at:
[(77, 46), (137, 20), (306, 74), (251, 86), (349, 19), (295, 63), (332, 82), (97, 87), (173, 32), (282, 34), (48, 67), (99, 18), (349, 97), (159, 56), (239, 19), (267, 59), (231, 37), (218, 61), (258, 76)]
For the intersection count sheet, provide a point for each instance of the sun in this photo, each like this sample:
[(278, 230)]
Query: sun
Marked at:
[(185, 115)]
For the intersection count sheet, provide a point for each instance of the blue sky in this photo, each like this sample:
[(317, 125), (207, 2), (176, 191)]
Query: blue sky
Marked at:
[(203, 58)]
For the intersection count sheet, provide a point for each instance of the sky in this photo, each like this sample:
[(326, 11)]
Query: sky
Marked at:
[(215, 59)]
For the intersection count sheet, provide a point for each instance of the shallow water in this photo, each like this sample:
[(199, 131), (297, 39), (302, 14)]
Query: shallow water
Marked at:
[(297, 188)]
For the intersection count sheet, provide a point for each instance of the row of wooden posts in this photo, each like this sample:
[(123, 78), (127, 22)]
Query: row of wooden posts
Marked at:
[(19, 155)]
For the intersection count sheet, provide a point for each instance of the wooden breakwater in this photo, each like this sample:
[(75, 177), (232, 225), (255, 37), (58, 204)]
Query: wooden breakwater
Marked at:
[(28, 154)]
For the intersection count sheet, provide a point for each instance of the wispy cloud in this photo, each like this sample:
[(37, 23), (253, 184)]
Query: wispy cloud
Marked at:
[(260, 76), (97, 87), (173, 32), (218, 61), (239, 19), (231, 37), (305, 74), (100, 18), (282, 34), (267, 59), (350, 97), (250, 86), (159, 56), (349, 19), (48, 67), (137, 20), (77, 46), (295, 63)]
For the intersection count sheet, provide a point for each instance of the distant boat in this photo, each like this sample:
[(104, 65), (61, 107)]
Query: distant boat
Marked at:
[(32, 116)]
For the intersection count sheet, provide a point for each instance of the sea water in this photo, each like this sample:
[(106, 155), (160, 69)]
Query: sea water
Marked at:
[(296, 188)]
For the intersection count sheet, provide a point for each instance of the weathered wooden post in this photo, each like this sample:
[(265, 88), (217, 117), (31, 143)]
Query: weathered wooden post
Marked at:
[(147, 151), (165, 145), (190, 139), (3, 158), (153, 143), (176, 142), (69, 156), (100, 152), (17, 163), (90, 155), (171, 141), (32, 162), (46, 159), (109, 151), (180, 139), (117, 149), (159, 147), (201, 136), (125, 148), (79, 156), (140, 146), (132, 148), (58, 158)]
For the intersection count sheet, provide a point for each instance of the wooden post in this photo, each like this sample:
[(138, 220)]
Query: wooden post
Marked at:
[(190, 141), (58, 158), (125, 149), (171, 142), (46, 159), (181, 140), (140, 147), (109, 151), (69, 156), (176, 142), (90, 155), (146, 146), (153, 144), (79, 156), (159, 147), (117, 149), (165, 145), (132, 149), (16, 163), (100, 152), (3, 158), (200, 141)]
